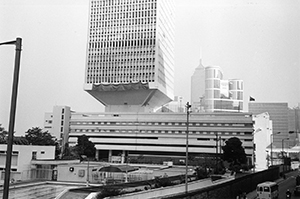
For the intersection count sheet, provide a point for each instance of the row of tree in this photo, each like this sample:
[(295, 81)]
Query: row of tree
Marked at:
[(34, 136)]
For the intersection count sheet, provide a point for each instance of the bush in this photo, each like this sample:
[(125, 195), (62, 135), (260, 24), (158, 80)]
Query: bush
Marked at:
[(201, 173), (107, 192)]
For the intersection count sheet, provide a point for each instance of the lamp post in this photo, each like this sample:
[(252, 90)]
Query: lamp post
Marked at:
[(282, 141), (18, 44), (88, 168), (271, 139), (188, 106), (216, 152)]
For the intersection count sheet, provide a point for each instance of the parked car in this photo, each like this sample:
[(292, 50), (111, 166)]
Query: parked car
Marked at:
[(298, 180), (297, 191)]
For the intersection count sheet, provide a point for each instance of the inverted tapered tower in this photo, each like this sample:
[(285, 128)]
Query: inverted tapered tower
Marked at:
[(130, 54)]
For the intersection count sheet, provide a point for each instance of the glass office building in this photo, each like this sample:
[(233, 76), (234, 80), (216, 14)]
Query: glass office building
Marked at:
[(222, 95)]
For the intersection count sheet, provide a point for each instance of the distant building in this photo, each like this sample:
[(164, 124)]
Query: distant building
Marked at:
[(294, 125), (211, 93), (130, 54), (57, 123), (175, 106), (198, 89), (278, 113)]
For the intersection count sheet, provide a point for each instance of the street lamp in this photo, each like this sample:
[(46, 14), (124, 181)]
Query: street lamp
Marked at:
[(188, 106), (84, 157), (217, 139), (271, 138), (18, 44), (282, 146)]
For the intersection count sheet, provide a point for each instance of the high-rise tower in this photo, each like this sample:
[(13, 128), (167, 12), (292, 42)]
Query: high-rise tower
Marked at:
[(130, 54), (198, 88)]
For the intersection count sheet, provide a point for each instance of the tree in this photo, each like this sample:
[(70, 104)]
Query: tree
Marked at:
[(3, 135), (18, 140), (36, 136), (201, 173), (69, 153), (85, 147), (234, 153)]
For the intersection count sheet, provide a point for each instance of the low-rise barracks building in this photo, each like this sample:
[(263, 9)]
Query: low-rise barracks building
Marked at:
[(120, 135)]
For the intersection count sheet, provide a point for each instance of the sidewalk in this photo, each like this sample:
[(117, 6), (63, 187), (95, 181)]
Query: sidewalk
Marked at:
[(253, 195)]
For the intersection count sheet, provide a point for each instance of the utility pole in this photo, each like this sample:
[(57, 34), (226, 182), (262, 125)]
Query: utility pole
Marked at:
[(18, 44), (188, 106), (216, 152)]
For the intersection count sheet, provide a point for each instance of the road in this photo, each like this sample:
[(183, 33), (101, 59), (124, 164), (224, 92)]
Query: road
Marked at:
[(288, 183), (284, 184)]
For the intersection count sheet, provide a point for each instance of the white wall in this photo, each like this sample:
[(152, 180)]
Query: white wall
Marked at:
[(262, 139), (78, 175), (22, 155)]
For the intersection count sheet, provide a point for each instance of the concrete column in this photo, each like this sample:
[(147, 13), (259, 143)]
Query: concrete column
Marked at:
[(97, 154), (109, 155), (123, 157)]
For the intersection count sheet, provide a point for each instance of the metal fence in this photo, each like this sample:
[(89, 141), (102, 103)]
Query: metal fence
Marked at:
[(117, 177), (33, 174)]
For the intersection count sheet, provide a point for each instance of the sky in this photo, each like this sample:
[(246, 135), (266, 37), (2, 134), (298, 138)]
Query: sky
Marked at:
[(257, 41)]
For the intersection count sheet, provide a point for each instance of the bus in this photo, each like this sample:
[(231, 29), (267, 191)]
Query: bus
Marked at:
[(267, 190)]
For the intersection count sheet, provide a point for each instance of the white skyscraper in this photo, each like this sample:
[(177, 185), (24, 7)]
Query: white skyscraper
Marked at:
[(198, 88), (130, 54)]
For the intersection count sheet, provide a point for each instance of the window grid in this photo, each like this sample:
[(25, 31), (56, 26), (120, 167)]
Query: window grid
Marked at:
[(122, 41)]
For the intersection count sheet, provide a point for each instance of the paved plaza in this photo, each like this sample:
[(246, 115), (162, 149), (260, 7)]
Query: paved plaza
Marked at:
[(36, 190)]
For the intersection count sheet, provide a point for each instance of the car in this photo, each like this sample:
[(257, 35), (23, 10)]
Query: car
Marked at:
[(297, 190), (298, 180)]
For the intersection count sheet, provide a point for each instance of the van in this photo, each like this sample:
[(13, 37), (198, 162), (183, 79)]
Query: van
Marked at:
[(267, 190)]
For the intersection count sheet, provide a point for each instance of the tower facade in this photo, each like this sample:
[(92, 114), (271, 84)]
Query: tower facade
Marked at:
[(130, 54), (198, 88)]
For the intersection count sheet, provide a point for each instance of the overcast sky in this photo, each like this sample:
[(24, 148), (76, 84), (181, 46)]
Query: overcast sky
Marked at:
[(257, 41)]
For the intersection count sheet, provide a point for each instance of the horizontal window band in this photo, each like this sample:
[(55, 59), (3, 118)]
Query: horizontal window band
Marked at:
[(153, 144)]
